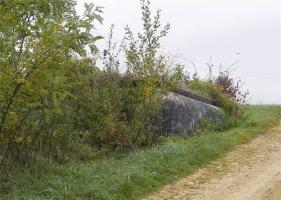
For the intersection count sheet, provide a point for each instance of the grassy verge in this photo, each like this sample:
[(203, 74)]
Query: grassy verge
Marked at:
[(131, 175)]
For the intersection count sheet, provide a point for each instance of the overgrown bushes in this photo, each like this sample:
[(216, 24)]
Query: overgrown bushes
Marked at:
[(39, 41), (57, 103), (224, 91), (56, 100)]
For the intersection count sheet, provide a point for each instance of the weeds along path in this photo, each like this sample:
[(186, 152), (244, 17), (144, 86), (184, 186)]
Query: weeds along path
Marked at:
[(250, 172)]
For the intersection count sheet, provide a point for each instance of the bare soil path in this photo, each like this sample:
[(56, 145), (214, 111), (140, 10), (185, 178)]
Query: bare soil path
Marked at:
[(250, 172)]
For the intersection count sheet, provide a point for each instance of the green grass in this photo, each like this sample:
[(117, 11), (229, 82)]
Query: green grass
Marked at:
[(128, 176)]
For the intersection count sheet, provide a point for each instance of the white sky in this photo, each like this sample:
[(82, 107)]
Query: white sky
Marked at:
[(218, 28)]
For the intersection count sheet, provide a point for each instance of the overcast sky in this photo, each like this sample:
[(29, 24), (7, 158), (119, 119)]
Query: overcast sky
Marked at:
[(227, 30)]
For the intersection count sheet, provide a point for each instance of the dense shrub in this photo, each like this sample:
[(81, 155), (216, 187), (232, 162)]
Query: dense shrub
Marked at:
[(56, 102), (222, 100), (224, 90), (39, 41), (233, 89)]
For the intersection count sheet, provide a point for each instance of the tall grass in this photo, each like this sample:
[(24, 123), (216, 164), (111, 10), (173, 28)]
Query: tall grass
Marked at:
[(129, 176)]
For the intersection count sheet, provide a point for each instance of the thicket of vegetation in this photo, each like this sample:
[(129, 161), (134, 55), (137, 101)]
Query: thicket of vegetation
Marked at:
[(130, 176), (57, 103)]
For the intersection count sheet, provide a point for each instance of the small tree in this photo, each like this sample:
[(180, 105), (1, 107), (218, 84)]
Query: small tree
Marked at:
[(145, 67), (38, 41)]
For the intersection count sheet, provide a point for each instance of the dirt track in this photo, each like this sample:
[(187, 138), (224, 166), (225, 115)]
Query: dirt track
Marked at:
[(251, 172)]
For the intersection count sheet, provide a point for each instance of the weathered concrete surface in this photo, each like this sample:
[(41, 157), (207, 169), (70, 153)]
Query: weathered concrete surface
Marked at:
[(193, 95), (180, 114)]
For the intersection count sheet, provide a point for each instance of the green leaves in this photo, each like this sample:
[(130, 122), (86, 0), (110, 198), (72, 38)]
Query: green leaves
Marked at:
[(53, 97), (146, 67), (142, 52), (39, 41)]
